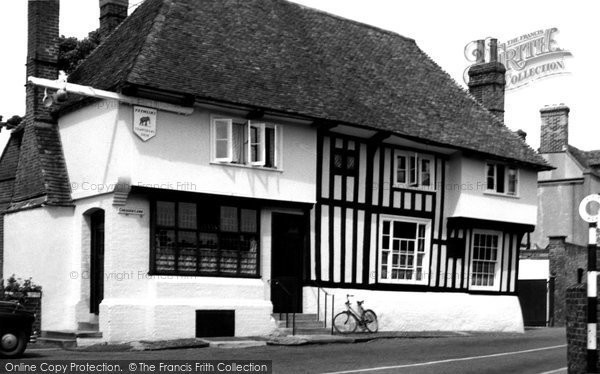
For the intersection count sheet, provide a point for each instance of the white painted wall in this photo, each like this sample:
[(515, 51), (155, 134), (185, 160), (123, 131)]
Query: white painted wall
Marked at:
[(534, 269), (429, 311), (466, 194), (39, 245), (178, 157)]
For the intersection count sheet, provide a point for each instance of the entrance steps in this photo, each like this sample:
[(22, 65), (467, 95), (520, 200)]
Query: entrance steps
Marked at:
[(306, 324), (86, 334)]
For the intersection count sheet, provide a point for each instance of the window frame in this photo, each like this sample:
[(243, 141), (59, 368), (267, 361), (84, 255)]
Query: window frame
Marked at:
[(413, 181), (506, 185), (154, 228), (498, 262), (261, 127), (427, 250)]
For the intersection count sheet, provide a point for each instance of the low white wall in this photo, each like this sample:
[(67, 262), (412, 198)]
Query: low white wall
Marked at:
[(428, 311), (534, 269)]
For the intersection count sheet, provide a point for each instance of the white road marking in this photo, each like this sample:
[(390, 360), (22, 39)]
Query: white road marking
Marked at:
[(445, 361), (561, 370)]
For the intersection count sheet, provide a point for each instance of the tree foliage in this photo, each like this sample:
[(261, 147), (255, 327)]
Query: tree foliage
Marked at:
[(71, 51)]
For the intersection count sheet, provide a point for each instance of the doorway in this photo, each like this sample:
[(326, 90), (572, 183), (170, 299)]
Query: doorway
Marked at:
[(96, 261), (288, 243)]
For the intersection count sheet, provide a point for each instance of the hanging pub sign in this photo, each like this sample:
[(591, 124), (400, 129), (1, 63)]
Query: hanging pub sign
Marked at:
[(144, 122)]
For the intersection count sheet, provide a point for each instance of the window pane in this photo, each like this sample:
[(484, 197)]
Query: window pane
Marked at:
[(249, 220), (208, 217), (165, 213), (491, 176), (400, 169), (350, 163), (405, 229), (186, 243), (500, 178), (255, 144), (512, 181), (425, 172), (238, 153), (221, 129), (208, 243), (270, 147), (413, 170), (221, 151), (338, 161), (187, 215), (229, 219), (386, 227), (165, 250)]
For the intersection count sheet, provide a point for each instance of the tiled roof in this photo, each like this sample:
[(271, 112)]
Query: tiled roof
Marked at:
[(8, 168), (281, 56), (586, 158)]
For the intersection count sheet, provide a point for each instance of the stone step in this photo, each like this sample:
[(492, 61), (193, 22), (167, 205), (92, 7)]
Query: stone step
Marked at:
[(299, 316), (313, 331), (88, 326), (301, 323), (70, 335)]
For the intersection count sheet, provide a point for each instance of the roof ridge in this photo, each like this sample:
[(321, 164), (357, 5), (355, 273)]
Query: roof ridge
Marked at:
[(348, 20)]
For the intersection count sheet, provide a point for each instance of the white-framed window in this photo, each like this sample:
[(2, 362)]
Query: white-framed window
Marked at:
[(486, 252), (502, 179), (243, 142), (404, 249), (413, 170)]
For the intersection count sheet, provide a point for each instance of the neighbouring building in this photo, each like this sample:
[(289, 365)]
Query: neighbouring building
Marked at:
[(560, 231), (260, 149)]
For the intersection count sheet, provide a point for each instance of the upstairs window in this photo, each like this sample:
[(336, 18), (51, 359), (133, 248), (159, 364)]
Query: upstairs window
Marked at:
[(502, 179), (245, 142), (413, 170), (345, 160)]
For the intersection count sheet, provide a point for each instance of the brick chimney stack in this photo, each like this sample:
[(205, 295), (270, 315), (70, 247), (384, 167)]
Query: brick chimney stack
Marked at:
[(112, 13), (42, 53), (487, 79), (555, 128)]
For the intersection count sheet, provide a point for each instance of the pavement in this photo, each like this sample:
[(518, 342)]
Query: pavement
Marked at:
[(257, 341)]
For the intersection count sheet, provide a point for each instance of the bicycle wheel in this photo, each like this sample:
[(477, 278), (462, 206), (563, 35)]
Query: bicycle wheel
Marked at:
[(370, 320), (345, 323)]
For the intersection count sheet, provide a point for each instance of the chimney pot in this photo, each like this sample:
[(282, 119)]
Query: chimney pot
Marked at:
[(493, 50), (522, 134)]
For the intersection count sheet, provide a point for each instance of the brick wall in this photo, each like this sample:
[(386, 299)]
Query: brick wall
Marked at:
[(565, 258), (555, 129), (576, 302)]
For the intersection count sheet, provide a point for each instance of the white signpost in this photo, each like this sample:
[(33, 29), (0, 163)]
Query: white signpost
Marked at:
[(144, 122), (592, 282)]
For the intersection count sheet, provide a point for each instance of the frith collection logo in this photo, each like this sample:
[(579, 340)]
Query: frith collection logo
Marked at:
[(527, 58)]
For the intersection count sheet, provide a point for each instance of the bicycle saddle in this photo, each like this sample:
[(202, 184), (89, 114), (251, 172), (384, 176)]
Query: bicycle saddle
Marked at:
[(360, 302)]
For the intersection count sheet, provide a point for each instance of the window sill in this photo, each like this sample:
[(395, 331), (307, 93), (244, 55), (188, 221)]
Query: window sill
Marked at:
[(413, 283), (243, 166), (169, 275), (417, 188), (492, 193)]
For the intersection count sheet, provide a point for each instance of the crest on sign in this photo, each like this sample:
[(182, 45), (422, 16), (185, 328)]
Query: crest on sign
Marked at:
[(144, 122)]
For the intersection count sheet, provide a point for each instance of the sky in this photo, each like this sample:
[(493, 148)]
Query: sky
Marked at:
[(441, 28)]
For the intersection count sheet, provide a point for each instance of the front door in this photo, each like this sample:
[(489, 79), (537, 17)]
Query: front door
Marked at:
[(97, 261), (287, 248)]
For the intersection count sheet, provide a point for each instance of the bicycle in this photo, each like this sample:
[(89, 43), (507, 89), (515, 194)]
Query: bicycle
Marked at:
[(347, 321)]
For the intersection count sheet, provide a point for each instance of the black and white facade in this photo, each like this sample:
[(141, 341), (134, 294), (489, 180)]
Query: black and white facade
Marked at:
[(221, 187)]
